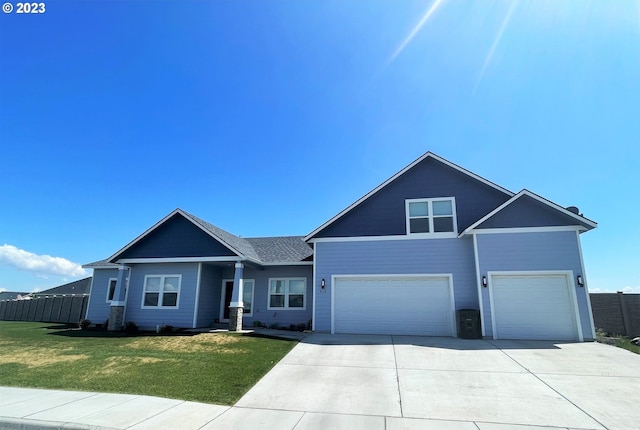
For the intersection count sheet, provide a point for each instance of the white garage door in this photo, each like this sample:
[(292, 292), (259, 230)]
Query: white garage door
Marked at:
[(417, 305), (533, 307)]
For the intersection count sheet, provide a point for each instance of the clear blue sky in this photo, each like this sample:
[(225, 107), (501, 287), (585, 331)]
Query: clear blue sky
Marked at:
[(269, 117)]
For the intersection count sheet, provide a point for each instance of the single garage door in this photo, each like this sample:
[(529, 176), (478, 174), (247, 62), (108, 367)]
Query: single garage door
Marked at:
[(415, 305), (533, 307)]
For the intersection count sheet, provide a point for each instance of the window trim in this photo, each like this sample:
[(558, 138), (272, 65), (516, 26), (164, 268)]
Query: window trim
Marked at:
[(286, 294), (161, 292), (109, 300), (431, 234), (253, 292)]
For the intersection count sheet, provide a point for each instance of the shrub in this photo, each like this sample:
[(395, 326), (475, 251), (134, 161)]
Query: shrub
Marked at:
[(131, 327), (166, 329), (84, 324), (257, 324)]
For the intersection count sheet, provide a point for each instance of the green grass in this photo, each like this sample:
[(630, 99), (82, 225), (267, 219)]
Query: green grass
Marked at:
[(212, 368), (625, 343), (616, 340)]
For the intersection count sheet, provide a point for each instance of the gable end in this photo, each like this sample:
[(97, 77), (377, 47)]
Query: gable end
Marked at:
[(176, 237), (383, 211)]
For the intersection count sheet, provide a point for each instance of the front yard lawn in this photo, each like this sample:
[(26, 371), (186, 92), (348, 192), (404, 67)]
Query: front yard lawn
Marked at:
[(210, 367)]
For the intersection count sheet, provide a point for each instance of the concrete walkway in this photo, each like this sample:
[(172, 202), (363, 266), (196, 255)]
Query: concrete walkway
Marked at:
[(381, 383)]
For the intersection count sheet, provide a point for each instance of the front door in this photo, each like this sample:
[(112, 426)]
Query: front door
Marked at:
[(228, 292)]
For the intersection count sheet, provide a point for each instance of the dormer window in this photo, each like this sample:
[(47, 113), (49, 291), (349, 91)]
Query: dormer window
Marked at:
[(433, 217)]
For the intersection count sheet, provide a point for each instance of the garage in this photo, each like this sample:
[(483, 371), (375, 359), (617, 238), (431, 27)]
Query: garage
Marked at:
[(402, 304), (533, 306)]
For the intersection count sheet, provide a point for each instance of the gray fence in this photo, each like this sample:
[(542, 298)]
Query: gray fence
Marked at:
[(617, 313), (59, 309)]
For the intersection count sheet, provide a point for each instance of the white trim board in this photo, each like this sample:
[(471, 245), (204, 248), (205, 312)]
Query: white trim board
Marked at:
[(479, 284), (400, 173), (586, 288), (413, 236), (181, 260), (550, 229), (197, 300)]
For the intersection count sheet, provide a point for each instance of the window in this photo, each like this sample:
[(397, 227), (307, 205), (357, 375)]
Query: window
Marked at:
[(111, 289), (431, 216), (287, 293), (247, 296), (161, 291)]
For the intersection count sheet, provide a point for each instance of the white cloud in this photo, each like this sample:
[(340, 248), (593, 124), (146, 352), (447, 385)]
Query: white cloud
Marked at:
[(631, 290), (2, 290), (40, 264)]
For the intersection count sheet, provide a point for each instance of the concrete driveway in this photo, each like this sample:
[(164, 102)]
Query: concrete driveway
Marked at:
[(402, 382)]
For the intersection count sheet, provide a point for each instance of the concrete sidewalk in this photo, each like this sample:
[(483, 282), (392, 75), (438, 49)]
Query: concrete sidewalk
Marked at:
[(380, 383)]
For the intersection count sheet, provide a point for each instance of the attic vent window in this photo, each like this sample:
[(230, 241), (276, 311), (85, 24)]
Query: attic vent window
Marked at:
[(434, 217)]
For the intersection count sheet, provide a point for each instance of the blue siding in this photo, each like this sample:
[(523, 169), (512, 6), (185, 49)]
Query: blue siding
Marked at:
[(261, 296), (210, 291), (177, 237), (383, 213), (531, 251), (182, 317), (528, 212), (395, 257), (98, 308)]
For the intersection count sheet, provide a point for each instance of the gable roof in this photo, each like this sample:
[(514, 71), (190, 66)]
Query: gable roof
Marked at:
[(584, 222), (80, 286), (402, 172), (261, 250), (101, 264), (225, 238)]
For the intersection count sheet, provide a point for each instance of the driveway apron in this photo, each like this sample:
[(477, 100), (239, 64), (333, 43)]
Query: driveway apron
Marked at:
[(404, 379)]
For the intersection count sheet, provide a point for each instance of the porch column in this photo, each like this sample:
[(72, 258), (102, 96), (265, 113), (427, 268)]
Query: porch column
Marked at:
[(116, 312), (236, 307)]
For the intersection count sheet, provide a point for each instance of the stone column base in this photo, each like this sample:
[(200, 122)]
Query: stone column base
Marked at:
[(235, 318), (116, 316)]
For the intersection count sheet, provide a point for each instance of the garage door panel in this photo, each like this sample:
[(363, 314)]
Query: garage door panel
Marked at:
[(533, 307), (393, 305)]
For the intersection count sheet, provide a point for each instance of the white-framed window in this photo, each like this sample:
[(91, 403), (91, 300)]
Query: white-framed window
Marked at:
[(111, 289), (161, 291), (287, 293), (432, 217), (247, 297)]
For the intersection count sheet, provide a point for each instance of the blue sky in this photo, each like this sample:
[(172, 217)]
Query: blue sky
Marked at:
[(269, 117)]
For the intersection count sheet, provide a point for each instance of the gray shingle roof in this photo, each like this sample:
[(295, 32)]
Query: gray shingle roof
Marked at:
[(284, 249), (281, 249), (236, 243), (101, 264), (80, 286)]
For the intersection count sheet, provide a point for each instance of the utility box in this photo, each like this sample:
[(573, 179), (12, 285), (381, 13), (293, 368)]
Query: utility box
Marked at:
[(469, 324)]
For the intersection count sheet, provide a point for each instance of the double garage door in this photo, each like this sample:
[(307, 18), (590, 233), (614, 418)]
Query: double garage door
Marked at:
[(411, 305), (533, 306)]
